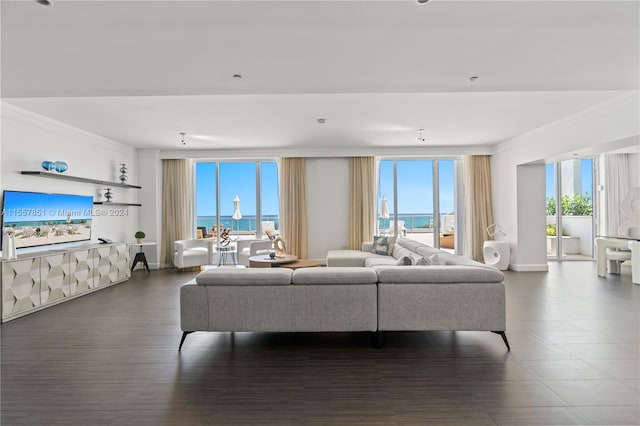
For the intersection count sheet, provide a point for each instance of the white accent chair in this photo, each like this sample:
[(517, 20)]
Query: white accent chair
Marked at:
[(248, 248), (190, 253)]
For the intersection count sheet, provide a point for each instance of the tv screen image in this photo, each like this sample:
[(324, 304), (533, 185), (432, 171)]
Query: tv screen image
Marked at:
[(39, 219)]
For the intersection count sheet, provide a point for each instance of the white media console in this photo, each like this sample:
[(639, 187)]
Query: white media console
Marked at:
[(41, 279)]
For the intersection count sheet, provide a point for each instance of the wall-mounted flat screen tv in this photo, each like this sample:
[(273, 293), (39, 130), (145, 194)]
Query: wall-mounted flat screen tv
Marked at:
[(39, 219)]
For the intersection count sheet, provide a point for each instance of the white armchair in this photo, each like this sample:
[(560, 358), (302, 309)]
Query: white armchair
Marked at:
[(190, 253), (248, 248)]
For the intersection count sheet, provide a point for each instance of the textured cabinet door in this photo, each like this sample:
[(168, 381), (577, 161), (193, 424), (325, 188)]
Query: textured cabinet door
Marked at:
[(111, 264), (120, 269), (102, 260), (20, 286), (54, 277), (81, 273)]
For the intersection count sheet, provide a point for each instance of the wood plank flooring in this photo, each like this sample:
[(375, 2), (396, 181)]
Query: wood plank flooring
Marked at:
[(110, 358)]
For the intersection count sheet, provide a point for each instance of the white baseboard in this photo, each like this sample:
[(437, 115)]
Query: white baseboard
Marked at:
[(529, 268)]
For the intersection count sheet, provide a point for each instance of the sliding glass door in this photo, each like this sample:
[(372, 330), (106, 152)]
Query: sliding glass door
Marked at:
[(570, 224), (236, 195), (417, 199)]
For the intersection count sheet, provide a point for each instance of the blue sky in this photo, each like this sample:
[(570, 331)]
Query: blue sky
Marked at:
[(415, 185), (586, 166), (236, 179), (34, 206)]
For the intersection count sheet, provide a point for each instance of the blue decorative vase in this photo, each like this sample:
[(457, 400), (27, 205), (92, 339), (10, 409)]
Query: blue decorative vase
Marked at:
[(48, 165), (272, 254), (60, 166)]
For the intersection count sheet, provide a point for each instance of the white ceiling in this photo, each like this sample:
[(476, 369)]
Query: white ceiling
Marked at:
[(141, 72)]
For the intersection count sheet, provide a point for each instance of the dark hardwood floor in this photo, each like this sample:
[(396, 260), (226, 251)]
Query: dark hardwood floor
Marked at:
[(111, 358)]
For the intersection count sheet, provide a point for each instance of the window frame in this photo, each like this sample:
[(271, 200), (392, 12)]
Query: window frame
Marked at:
[(218, 162)]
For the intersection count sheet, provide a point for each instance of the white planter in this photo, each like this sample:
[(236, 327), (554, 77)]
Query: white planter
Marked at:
[(570, 245)]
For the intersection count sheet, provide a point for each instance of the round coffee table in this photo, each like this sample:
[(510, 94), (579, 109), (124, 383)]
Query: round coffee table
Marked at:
[(300, 263), (264, 261)]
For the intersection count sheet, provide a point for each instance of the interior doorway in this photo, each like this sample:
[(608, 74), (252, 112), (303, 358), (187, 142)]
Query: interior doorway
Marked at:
[(570, 223)]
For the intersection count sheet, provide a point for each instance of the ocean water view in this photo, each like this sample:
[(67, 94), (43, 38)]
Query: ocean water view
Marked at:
[(247, 223), (417, 221)]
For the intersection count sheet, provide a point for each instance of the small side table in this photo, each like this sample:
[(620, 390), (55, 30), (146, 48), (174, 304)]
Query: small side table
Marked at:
[(140, 256), (497, 254), (227, 253)]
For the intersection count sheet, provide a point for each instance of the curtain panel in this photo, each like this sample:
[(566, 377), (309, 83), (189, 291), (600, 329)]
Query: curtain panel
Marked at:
[(177, 206), (293, 205), (362, 200), (616, 187), (479, 203)]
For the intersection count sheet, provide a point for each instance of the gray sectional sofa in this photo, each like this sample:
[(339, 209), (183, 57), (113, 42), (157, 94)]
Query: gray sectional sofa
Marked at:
[(358, 291)]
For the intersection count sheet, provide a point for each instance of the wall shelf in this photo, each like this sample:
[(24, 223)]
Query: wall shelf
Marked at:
[(62, 176), (108, 203)]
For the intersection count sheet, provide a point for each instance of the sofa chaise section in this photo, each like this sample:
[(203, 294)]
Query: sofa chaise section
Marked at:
[(456, 298), (280, 300)]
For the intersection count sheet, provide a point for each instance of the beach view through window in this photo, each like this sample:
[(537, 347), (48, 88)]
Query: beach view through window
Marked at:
[(417, 188), (237, 179)]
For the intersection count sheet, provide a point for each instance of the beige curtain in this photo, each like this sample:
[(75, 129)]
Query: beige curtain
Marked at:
[(177, 206), (362, 201), (293, 205), (478, 199), (616, 186)]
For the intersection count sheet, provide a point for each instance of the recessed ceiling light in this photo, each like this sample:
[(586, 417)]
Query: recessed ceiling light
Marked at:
[(238, 76), (45, 2), (321, 121), (423, 1), (473, 78)]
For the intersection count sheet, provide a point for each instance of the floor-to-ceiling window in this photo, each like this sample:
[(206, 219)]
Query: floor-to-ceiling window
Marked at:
[(570, 215), (239, 196), (206, 210), (419, 198), (270, 210)]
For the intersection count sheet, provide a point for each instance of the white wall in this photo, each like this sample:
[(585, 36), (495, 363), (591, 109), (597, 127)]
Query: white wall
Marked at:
[(28, 139), (600, 129), (150, 214), (531, 217), (327, 205)]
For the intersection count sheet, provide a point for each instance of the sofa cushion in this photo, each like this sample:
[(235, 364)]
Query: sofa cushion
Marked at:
[(383, 245), (348, 257), (379, 260), (245, 276), (399, 251), (337, 275), (438, 274), (405, 261)]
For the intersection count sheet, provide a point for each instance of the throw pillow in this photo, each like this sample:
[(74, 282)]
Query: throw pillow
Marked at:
[(426, 261), (383, 245), (404, 261)]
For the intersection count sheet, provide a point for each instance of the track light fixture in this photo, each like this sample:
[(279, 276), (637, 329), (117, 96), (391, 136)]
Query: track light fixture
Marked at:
[(183, 135)]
